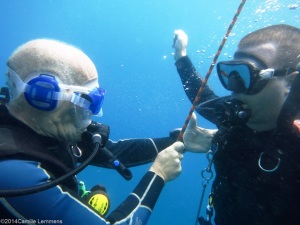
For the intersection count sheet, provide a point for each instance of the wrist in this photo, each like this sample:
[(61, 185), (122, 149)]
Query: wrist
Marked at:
[(157, 172), (180, 54)]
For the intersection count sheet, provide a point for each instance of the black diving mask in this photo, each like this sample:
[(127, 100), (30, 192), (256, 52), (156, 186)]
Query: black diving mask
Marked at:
[(244, 77)]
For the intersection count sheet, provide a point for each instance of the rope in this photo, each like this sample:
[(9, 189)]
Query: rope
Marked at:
[(179, 138), (201, 201)]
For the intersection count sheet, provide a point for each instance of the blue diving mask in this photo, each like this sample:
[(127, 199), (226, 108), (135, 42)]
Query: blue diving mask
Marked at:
[(43, 92)]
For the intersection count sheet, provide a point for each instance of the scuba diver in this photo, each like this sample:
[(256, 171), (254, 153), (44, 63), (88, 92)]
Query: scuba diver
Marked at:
[(46, 129), (255, 150)]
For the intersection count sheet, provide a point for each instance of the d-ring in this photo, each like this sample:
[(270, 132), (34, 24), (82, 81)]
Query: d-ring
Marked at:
[(76, 151), (209, 172), (266, 170)]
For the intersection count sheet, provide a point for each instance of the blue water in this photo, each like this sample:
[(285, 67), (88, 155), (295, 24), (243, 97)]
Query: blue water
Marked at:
[(130, 43)]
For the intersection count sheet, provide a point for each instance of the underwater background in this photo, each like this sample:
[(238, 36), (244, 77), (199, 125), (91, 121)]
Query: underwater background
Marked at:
[(130, 44)]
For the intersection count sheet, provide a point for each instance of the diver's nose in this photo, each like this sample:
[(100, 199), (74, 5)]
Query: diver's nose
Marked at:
[(235, 82)]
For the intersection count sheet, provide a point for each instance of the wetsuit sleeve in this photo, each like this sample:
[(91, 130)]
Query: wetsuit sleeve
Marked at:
[(134, 152), (192, 81), (140, 203), (58, 206)]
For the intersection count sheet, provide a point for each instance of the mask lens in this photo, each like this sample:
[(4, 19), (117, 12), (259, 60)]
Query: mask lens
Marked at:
[(92, 101), (97, 96), (83, 116), (234, 77)]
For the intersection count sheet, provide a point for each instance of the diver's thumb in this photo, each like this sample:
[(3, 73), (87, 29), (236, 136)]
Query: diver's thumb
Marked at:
[(193, 122)]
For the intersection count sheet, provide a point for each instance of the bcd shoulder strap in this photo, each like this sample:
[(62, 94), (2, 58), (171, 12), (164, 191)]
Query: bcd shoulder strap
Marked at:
[(16, 143)]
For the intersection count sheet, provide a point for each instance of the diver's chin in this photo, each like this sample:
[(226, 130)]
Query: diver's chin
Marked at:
[(75, 137), (82, 124), (235, 95), (70, 135), (239, 96)]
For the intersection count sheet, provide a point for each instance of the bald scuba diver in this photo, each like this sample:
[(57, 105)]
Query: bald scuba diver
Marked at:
[(256, 145), (46, 128)]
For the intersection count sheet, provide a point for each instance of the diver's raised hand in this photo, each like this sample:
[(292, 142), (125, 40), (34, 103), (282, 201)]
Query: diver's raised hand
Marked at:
[(180, 42), (197, 139), (167, 163)]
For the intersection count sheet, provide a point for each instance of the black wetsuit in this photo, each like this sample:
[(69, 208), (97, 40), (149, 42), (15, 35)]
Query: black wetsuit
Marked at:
[(28, 159), (242, 192)]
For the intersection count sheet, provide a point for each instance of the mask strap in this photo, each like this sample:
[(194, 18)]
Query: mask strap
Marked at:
[(15, 84)]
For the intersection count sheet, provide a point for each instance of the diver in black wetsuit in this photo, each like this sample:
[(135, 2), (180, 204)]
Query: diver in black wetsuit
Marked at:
[(46, 128), (256, 151)]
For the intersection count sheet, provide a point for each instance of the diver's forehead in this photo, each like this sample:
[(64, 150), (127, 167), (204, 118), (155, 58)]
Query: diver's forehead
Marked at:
[(261, 54), (91, 83), (245, 56)]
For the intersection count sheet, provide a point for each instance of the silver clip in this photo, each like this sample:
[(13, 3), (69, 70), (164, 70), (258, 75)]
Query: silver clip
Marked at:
[(207, 174)]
